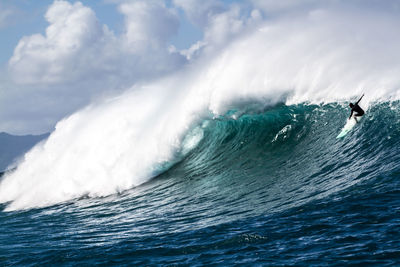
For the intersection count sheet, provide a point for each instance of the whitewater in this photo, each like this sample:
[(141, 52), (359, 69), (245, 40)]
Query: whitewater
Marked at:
[(232, 160), (112, 146)]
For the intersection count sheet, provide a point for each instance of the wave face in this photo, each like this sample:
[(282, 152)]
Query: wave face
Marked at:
[(270, 186), (287, 156)]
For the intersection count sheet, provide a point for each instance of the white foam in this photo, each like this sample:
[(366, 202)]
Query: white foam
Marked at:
[(120, 143)]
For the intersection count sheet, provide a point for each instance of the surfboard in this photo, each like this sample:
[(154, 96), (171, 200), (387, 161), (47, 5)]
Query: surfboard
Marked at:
[(348, 126)]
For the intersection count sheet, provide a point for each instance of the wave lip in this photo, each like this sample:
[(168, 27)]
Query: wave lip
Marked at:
[(99, 151), (122, 142)]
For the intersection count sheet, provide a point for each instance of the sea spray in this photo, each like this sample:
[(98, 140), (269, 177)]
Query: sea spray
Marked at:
[(100, 150), (118, 144)]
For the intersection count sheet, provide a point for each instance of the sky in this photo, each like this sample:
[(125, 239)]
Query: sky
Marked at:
[(58, 56)]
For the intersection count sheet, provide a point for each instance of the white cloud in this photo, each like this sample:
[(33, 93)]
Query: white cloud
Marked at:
[(5, 14), (220, 23), (223, 25), (270, 6), (76, 45), (78, 58), (288, 7), (66, 52), (149, 25), (194, 50), (200, 12)]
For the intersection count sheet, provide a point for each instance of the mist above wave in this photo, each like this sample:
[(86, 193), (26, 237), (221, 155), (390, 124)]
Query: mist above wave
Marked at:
[(321, 56)]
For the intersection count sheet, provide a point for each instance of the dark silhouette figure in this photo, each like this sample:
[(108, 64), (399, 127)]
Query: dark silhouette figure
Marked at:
[(357, 109)]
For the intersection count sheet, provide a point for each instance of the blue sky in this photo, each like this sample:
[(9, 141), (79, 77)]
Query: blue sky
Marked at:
[(27, 17)]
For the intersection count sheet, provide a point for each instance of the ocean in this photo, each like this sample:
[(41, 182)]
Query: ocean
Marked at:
[(232, 160), (272, 187)]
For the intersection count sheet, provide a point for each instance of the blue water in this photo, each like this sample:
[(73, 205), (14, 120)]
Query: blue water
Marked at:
[(273, 187)]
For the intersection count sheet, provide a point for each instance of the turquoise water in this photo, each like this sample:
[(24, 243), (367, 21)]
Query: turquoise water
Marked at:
[(272, 187)]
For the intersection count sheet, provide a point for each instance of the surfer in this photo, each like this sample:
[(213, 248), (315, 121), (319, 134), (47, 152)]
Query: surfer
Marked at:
[(357, 109)]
